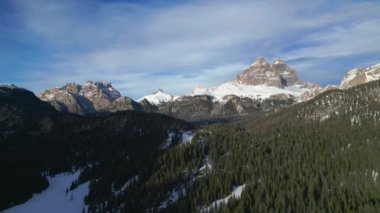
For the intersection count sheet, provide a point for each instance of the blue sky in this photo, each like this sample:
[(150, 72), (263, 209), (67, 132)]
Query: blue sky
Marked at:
[(141, 46)]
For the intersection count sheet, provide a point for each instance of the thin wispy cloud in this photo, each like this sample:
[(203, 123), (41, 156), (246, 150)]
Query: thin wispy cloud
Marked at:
[(177, 46)]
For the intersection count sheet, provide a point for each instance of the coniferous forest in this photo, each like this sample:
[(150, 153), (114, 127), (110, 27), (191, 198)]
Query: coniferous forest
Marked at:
[(317, 156)]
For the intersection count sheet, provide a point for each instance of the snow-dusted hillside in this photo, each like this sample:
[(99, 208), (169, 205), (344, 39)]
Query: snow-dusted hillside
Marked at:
[(54, 198), (159, 97), (9, 86), (249, 91)]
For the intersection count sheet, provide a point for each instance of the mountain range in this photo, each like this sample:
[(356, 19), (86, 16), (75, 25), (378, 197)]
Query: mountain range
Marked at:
[(289, 138), (260, 88)]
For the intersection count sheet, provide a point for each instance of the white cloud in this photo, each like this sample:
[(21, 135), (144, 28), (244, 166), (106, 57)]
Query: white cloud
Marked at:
[(357, 38)]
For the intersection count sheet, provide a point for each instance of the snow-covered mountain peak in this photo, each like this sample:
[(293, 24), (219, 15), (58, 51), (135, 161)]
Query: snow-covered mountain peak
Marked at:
[(359, 76), (100, 88), (159, 97), (262, 80)]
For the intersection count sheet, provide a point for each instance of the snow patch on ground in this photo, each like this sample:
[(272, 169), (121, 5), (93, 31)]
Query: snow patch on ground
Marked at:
[(374, 175), (169, 140), (127, 184), (207, 166), (187, 137), (236, 193), (173, 197), (54, 198), (325, 117)]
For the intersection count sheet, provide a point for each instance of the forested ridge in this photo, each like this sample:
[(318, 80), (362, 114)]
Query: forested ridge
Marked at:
[(316, 156), (321, 155)]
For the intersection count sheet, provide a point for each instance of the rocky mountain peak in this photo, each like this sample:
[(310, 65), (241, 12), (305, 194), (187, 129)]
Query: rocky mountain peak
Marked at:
[(260, 61), (278, 74), (100, 89), (75, 98), (72, 88)]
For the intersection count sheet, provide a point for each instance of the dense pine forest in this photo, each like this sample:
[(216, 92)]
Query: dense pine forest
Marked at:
[(317, 156)]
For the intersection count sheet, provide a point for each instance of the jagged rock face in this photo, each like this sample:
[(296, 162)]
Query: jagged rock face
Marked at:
[(189, 107), (65, 101), (281, 97), (78, 99), (147, 106), (101, 94), (278, 74), (359, 76), (123, 104), (234, 105)]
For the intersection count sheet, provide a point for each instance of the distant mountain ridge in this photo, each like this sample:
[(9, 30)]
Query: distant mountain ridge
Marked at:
[(89, 98), (263, 86)]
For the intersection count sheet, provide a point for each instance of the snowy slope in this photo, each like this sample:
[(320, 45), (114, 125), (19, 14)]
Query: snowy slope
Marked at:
[(249, 91), (373, 73), (9, 86), (54, 198), (353, 77), (127, 184), (236, 193), (376, 66), (159, 97)]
